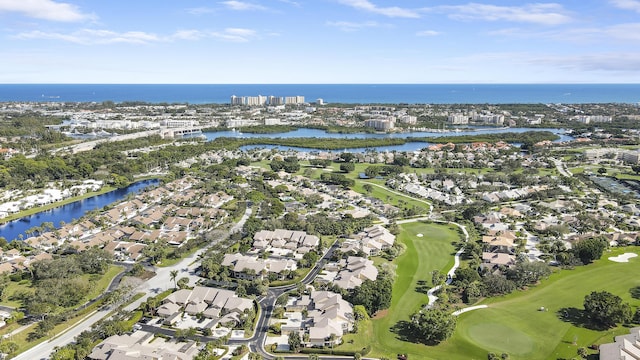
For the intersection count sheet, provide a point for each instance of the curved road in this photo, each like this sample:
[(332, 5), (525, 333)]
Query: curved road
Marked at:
[(160, 282)]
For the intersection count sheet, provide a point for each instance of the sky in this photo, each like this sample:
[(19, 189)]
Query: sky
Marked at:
[(319, 41)]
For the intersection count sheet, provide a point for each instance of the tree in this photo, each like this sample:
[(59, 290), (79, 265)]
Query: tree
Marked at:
[(347, 167), (582, 352), (635, 169), (173, 275), (368, 188), (360, 313), (464, 276), (590, 249), (602, 171), (527, 273), (294, 341), (438, 278), (372, 171), (606, 309), (64, 353), (373, 295), (183, 283), (494, 284), (433, 325), (347, 157)]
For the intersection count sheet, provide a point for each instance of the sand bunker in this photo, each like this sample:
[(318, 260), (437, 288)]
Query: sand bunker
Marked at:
[(623, 258), (419, 235)]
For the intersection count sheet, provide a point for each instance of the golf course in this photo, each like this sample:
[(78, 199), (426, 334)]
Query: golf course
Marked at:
[(542, 322)]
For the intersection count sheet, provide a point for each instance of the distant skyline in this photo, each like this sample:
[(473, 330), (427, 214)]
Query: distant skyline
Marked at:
[(319, 41)]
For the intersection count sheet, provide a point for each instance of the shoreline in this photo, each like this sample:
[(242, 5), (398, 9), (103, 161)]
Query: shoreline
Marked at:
[(39, 209), (36, 210)]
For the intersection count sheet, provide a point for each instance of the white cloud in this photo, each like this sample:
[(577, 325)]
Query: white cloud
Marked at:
[(234, 34), (625, 32), (292, 3), (100, 37), (539, 13), (349, 26), (45, 9), (392, 11), (94, 37), (629, 32), (188, 35), (242, 5), (627, 4), (200, 11), (427, 33), (610, 62)]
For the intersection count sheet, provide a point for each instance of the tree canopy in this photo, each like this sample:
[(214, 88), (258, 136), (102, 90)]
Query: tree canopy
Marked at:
[(433, 325), (606, 309)]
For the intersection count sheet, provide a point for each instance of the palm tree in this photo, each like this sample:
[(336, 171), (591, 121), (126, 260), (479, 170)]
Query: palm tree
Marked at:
[(173, 275)]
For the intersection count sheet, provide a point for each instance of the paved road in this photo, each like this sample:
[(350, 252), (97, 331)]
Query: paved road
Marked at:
[(561, 168), (268, 303), (43, 350), (151, 287)]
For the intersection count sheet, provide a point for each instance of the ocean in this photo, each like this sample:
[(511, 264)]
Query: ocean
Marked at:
[(330, 93)]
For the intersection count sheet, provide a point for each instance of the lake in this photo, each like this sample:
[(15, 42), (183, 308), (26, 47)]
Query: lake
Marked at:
[(72, 211), (411, 146)]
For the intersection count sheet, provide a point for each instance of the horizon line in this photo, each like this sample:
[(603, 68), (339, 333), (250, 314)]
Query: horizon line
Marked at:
[(269, 84)]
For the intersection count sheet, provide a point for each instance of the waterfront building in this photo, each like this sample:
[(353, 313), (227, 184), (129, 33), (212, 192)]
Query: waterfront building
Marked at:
[(587, 119), (294, 99), (275, 100), (380, 124), (237, 100), (458, 119), (170, 123), (261, 100), (408, 119)]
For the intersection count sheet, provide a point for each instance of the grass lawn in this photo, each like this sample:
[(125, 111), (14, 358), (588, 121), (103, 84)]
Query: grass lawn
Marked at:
[(102, 281), (627, 176), (512, 324), (11, 289), (550, 337), (98, 286), (433, 251)]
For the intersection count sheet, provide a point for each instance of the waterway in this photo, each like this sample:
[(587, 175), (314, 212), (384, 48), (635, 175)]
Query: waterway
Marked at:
[(72, 211), (410, 146)]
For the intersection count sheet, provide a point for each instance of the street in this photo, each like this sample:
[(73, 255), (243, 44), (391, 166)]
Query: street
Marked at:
[(159, 283)]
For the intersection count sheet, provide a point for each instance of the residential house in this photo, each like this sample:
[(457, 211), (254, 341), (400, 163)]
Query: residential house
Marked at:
[(329, 315), (143, 346)]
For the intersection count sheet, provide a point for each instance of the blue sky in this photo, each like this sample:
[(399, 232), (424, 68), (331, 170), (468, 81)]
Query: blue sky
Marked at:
[(319, 41)]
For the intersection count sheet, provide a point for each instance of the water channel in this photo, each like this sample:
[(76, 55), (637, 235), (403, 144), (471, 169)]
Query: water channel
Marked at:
[(72, 211), (410, 146)]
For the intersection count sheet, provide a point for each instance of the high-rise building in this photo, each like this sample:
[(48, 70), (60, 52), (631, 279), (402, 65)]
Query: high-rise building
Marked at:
[(458, 119), (237, 100)]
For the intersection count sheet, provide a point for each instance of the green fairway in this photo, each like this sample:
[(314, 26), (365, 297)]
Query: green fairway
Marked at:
[(515, 325), (433, 251), (494, 335), (512, 324)]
